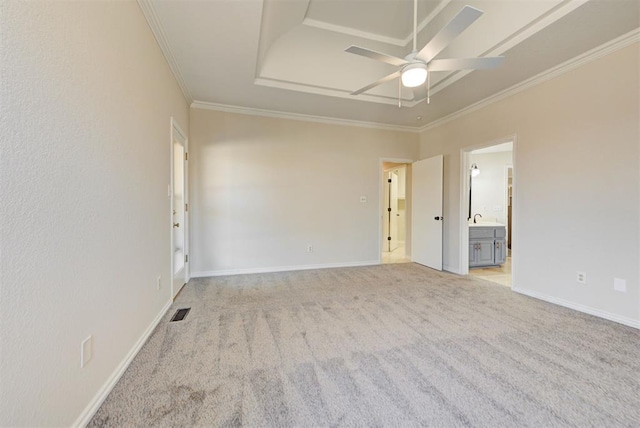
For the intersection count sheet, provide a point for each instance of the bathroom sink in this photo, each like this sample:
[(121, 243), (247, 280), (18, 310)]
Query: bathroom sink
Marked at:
[(485, 224)]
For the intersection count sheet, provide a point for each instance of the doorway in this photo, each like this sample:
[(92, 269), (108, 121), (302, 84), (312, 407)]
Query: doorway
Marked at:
[(487, 235), (509, 202), (394, 216), (179, 210)]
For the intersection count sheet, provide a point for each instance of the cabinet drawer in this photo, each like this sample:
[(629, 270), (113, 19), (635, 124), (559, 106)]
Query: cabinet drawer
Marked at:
[(477, 232), (501, 232)]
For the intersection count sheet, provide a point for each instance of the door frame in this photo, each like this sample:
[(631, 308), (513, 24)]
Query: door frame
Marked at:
[(381, 202), (464, 201), (506, 196), (176, 130), (386, 196)]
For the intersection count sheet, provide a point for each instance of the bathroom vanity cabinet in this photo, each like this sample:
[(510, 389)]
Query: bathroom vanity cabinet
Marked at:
[(487, 244)]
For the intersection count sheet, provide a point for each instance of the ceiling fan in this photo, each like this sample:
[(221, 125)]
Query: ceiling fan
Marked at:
[(415, 69)]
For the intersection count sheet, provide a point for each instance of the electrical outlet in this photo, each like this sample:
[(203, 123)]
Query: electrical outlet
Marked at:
[(363, 199), (620, 284), (309, 248), (581, 277), (159, 282), (86, 351)]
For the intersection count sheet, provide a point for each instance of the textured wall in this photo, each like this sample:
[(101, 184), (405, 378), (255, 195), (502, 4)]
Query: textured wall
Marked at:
[(262, 189), (576, 163), (86, 104)]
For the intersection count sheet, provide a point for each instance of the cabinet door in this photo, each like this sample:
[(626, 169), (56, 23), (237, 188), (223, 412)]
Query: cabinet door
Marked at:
[(485, 254), (500, 252), (473, 253)]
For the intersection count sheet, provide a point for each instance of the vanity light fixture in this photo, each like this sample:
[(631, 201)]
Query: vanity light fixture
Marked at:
[(474, 170)]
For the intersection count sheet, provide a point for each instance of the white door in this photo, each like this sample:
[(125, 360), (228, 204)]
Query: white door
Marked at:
[(179, 220), (426, 212), (393, 212), (385, 211)]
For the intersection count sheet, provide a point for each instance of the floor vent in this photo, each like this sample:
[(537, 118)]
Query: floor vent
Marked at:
[(180, 314)]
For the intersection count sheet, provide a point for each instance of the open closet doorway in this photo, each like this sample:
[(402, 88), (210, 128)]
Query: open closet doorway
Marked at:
[(489, 177), (394, 213), (178, 191)]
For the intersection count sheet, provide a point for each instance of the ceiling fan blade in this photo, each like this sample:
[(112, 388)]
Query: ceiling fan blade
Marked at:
[(419, 92), (379, 82), (378, 56), (465, 63), (453, 29)]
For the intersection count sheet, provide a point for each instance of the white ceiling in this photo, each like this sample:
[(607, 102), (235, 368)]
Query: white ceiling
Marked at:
[(288, 55)]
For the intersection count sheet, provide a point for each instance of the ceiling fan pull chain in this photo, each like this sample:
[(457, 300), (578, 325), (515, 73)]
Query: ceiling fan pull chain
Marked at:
[(428, 87), (399, 93)]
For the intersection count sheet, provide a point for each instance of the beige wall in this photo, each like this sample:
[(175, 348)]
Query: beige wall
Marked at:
[(262, 189), (86, 104), (577, 196)]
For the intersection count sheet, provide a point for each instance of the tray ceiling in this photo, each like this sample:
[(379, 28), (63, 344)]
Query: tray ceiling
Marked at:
[(288, 55)]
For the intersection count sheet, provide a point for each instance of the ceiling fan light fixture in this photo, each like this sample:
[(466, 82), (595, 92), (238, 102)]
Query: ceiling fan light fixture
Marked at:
[(414, 75)]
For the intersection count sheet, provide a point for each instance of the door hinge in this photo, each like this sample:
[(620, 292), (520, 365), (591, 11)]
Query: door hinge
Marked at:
[(186, 156), (186, 258), (388, 238), (389, 180), (186, 207)]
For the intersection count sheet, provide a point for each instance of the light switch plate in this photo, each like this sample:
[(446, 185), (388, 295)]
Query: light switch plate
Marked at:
[(86, 351), (620, 284)]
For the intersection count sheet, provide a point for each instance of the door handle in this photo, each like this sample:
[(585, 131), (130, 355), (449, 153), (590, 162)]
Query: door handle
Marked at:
[(176, 224)]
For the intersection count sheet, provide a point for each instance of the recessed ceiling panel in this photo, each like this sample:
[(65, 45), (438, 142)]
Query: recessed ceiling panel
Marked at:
[(312, 58), (387, 18)]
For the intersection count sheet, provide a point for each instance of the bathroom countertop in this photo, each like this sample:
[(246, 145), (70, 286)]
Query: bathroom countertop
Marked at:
[(486, 224)]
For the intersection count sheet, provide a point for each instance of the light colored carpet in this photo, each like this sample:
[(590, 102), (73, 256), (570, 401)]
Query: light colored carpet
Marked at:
[(388, 345)]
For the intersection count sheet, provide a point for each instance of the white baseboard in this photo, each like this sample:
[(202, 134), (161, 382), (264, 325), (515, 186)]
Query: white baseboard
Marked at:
[(208, 273), (94, 405), (580, 308)]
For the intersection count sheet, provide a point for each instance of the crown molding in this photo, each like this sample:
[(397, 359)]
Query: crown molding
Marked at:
[(340, 93), (605, 49), (299, 116), (373, 36), (154, 23), (309, 22)]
